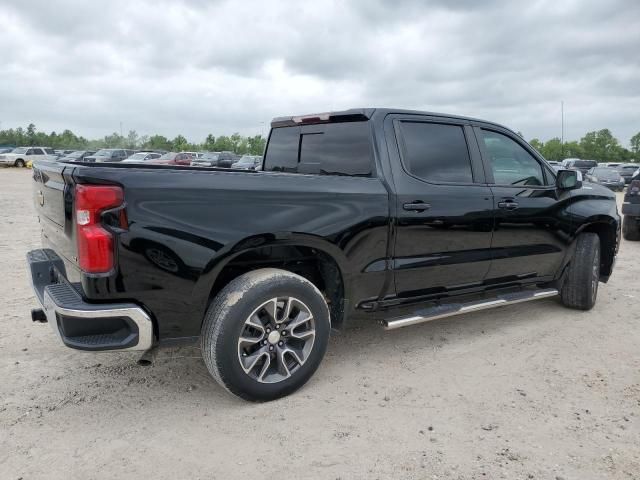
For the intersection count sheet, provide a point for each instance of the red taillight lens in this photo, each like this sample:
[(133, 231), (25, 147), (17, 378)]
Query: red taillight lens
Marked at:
[(95, 244), (634, 187)]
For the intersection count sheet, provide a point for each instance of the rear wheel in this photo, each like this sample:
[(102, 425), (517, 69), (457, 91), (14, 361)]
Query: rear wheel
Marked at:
[(19, 163), (631, 228), (580, 287), (265, 334)]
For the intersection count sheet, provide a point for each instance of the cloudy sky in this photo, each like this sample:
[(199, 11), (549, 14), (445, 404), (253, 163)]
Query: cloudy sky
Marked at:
[(196, 66)]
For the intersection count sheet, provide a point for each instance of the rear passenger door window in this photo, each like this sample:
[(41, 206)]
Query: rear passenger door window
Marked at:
[(435, 152)]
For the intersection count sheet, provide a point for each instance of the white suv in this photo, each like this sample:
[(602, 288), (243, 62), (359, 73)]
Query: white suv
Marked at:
[(21, 155)]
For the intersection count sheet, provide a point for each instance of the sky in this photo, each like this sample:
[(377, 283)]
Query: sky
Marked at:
[(194, 67)]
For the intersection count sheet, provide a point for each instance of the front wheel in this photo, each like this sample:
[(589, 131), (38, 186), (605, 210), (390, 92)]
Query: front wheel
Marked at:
[(580, 287), (265, 334)]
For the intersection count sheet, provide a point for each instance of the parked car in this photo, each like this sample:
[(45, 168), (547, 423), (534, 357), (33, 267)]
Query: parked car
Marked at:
[(107, 155), (226, 159), (77, 156), (628, 170), (141, 157), (260, 267), (248, 162), (195, 155), (582, 165), (553, 163), (6, 149), (612, 164), (173, 158), (208, 159), (605, 176), (23, 156), (631, 209)]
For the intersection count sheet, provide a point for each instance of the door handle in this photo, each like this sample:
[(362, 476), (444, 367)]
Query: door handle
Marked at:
[(508, 205), (416, 206)]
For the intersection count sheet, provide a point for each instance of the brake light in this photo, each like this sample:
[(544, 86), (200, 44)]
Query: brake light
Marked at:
[(634, 187), (95, 243)]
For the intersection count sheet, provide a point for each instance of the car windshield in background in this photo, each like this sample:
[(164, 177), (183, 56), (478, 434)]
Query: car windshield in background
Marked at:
[(606, 173), (168, 156), (630, 168), (210, 156), (20, 150), (103, 153), (77, 154), (138, 156)]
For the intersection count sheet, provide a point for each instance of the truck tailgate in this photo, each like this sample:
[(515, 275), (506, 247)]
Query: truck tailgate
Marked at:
[(53, 197)]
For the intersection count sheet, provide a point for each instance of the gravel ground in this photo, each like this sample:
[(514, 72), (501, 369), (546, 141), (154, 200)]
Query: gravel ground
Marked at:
[(525, 391)]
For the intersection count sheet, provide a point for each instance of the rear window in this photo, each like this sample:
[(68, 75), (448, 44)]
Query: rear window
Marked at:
[(585, 163), (325, 149), (631, 168)]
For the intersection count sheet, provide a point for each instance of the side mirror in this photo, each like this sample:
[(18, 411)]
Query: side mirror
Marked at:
[(569, 179)]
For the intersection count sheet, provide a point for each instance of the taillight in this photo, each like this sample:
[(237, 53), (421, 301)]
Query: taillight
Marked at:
[(634, 187), (95, 243)]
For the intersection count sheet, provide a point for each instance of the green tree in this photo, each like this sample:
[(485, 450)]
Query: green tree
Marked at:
[(552, 149), (131, 142), (209, 143), (635, 144), (180, 143), (601, 146)]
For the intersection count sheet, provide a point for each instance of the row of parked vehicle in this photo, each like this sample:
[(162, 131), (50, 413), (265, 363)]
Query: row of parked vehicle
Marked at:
[(612, 175), (24, 156)]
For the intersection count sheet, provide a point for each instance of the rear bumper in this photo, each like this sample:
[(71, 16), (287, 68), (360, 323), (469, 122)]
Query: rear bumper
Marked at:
[(631, 209), (82, 325)]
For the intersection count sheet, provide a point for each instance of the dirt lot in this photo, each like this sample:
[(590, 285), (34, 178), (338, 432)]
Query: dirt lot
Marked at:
[(526, 391)]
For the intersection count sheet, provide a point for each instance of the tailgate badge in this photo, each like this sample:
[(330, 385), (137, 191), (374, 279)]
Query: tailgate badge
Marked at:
[(40, 198)]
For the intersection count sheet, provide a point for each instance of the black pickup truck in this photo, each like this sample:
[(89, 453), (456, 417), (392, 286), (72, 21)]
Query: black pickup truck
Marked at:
[(398, 216)]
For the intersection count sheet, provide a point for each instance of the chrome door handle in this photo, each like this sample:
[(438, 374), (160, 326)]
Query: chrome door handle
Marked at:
[(508, 205), (417, 206)]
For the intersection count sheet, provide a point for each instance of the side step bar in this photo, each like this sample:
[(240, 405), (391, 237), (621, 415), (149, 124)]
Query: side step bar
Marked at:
[(451, 309)]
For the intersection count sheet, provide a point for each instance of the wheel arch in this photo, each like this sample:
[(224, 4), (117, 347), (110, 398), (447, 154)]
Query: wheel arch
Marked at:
[(608, 231), (314, 258)]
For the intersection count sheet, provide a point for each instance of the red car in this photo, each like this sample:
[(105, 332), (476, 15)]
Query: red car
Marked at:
[(173, 158)]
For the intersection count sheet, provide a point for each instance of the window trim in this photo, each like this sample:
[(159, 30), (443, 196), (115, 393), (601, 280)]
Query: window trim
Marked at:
[(397, 127), (547, 176)]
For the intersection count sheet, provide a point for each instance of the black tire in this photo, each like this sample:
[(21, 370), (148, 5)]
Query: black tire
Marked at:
[(630, 228), (580, 287), (226, 319), (19, 163)]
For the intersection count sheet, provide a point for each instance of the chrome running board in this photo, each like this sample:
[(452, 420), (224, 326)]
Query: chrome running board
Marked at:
[(451, 309)]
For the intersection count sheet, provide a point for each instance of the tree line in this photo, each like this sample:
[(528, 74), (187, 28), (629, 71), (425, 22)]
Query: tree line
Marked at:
[(68, 140), (598, 145)]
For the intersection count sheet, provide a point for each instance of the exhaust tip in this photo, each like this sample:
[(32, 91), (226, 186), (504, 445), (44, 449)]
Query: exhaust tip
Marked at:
[(38, 315)]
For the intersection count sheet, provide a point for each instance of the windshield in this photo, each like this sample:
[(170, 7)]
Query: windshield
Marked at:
[(606, 173), (20, 150), (76, 154), (210, 156), (168, 156), (629, 167), (103, 153), (138, 156), (246, 159)]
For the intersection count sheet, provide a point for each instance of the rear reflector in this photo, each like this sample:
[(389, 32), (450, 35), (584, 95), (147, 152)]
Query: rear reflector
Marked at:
[(95, 243)]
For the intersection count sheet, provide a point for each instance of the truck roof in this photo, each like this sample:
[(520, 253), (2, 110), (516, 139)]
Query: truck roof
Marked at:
[(362, 114)]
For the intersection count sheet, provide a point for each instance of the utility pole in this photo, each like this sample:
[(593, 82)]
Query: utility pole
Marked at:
[(562, 129), (121, 139)]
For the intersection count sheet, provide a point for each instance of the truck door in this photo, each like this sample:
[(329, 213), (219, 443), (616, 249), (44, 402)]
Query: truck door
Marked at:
[(530, 229), (443, 206)]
